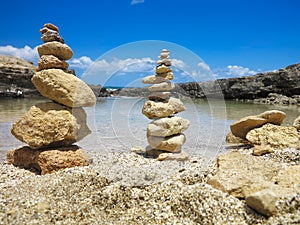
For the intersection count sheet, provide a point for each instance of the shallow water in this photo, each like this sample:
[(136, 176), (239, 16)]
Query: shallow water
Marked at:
[(117, 124)]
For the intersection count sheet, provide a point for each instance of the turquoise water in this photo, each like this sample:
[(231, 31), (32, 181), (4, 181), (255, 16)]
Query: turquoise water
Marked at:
[(117, 124)]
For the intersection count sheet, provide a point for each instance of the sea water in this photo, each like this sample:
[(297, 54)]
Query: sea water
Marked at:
[(117, 123)]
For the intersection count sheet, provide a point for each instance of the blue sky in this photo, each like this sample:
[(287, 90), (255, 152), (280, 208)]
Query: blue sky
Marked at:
[(234, 37)]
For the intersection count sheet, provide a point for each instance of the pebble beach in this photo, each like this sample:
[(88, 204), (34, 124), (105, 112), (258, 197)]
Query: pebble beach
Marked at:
[(108, 192)]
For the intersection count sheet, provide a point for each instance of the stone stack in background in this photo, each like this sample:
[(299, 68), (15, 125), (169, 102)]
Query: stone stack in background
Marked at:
[(51, 128), (164, 133)]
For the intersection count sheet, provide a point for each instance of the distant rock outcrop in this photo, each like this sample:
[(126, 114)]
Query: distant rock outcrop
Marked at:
[(15, 77)]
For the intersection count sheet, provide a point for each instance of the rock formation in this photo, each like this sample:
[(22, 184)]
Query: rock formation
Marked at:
[(51, 128), (164, 133)]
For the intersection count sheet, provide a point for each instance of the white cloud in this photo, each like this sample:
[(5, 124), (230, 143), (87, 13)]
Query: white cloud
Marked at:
[(133, 2), (203, 66), (178, 63), (83, 62), (27, 53), (234, 71)]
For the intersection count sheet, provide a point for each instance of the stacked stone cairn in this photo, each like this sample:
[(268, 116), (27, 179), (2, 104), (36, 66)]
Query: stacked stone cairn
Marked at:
[(164, 133), (51, 128)]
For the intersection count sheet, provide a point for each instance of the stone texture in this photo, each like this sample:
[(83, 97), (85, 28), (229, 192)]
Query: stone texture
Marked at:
[(167, 126), (153, 109), (241, 175), (289, 177), (263, 202), (50, 160), (164, 86), (259, 150), (166, 62), (63, 88), (61, 51), (51, 62), (51, 35), (296, 123), (51, 26), (163, 69), (153, 79), (164, 155), (230, 138), (275, 136), (170, 144), (159, 96), (243, 126), (51, 124)]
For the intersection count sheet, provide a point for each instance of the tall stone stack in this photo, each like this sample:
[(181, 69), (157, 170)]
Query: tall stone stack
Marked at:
[(50, 129), (165, 133)]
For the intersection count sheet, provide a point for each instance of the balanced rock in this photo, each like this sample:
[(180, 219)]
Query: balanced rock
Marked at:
[(64, 88), (51, 62), (162, 69), (167, 126), (61, 51), (164, 86), (51, 26), (170, 143), (164, 54), (166, 62), (263, 202), (244, 125), (159, 96), (275, 136), (154, 79), (164, 155), (51, 35), (153, 109), (50, 160), (51, 124)]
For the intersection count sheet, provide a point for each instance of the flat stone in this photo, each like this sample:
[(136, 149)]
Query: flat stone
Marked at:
[(50, 160), (170, 144), (296, 123), (153, 109), (166, 62), (51, 26), (51, 35), (259, 150), (51, 62), (244, 125), (154, 79), (275, 136), (51, 124), (159, 96), (167, 126), (164, 86), (263, 202), (163, 69), (61, 51), (164, 155), (64, 88)]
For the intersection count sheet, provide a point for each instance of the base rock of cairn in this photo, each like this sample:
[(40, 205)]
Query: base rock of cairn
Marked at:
[(51, 128), (164, 133)]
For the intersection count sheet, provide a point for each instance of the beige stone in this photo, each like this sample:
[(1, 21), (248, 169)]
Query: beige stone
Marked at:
[(164, 86), (51, 124), (230, 138), (51, 35), (296, 123), (153, 109), (275, 136), (163, 69), (159, 96), (154, 79), (51, 62), (170, 144), (289, 177), (166, 62), (164, 155), (61, 51), (244, 125), (259, 150), (241, 175), (50, 160), (167, 126), (64, 88), (51, 26), (263, 202)]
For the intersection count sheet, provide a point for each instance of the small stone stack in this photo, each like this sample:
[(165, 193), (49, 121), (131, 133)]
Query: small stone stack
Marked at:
[(51, 128), (164, 133)]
